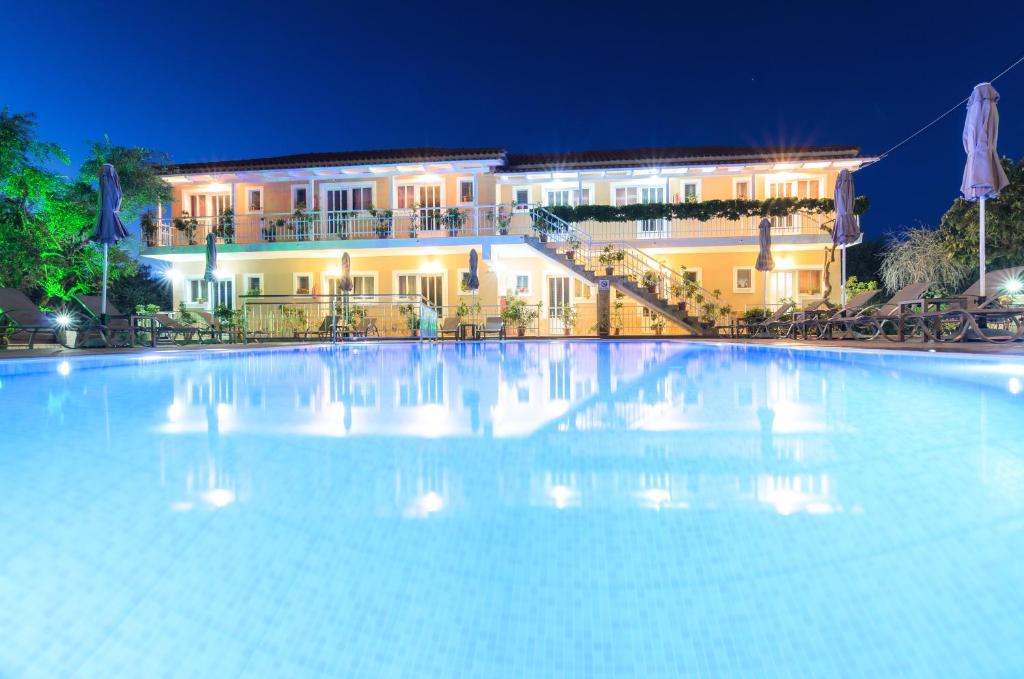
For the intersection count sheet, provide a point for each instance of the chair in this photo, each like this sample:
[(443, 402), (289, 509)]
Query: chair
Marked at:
[(218, 330), (797, 321), (118, 325), (493, 325), (870, 322), (979, 318), (172, 330), (22, 321), (450, 326), (855, 305), (754, 328)]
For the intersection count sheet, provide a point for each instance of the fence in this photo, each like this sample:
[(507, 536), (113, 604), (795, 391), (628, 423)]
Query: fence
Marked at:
[(337, 317)]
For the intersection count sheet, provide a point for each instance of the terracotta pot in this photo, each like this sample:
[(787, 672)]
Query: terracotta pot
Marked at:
[(566, 331), (521, 332), (609, 270), (570, 255), (543, 237), (682, 307), (651, 288), (616, 332), (658, 331)]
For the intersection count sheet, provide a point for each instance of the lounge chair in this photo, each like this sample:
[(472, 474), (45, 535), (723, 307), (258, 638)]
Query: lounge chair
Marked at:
[(117, 331), (493, 325), (792, 326), (977, 318), (218, 331), (871, 321), (21, 321), (177, 332), (756, 328), (822, 327), (450, 326)]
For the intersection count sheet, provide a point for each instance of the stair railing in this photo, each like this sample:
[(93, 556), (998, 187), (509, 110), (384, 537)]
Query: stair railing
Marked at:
[(634, 263)]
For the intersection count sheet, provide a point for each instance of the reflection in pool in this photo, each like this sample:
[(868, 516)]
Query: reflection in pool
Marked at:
[(514, 509)]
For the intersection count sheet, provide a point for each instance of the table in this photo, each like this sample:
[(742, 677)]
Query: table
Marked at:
[(468, 331)]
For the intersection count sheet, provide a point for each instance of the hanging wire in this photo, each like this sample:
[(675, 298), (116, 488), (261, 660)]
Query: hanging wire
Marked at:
[(959, 104)]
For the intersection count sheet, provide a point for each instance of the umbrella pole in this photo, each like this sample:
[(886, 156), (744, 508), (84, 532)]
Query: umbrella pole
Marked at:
[(981, 242), (102, 305), (842, 283)]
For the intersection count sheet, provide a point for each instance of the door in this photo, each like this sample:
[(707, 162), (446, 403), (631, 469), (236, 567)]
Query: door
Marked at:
[(781, 286), (429, 200), (791, 188), (558, 298), (430, 286), (631, 195), (344, 207), (224, 293)]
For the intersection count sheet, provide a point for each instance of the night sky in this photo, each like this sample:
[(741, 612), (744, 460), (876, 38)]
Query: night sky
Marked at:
[(211, 80)]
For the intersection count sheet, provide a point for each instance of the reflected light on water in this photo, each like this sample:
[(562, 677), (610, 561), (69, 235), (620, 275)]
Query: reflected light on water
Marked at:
[(218, 497), (563, 496), (424, 505)]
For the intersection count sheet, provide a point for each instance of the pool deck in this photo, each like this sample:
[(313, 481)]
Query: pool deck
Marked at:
[(975, 348)]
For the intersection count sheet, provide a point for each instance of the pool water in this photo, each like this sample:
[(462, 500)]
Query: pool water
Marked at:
[(534, 509)]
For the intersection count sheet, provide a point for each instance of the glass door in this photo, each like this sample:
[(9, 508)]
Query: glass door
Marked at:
[(558, 299), (224, 293), (342, 204), (652, 228), (781, 286), (430, 207)]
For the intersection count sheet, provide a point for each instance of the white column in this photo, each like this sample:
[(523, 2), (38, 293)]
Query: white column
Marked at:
[(310, 204), (476, 205), (579, 189)]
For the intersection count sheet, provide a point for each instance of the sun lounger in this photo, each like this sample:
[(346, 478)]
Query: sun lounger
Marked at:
[(822, 327), (758, 328), (21, 321), (871, 322), (117, 331), (177, 332), (450, 326), (973, 317), (493, 325)]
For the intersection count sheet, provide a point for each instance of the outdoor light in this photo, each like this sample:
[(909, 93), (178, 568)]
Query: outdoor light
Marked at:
[(221, 273), (1013, 286), (63, 320), (171, 274)]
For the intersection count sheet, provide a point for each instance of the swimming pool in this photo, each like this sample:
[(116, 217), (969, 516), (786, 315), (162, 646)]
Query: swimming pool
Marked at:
[(533, 509)]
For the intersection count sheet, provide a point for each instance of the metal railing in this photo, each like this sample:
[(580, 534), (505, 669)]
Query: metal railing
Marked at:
[(718, 227), (337, 317), (450, 222), (315, 225), (613, 258)]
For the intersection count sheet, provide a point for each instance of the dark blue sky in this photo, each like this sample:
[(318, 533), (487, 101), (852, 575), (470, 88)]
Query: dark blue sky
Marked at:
[(216, 80)]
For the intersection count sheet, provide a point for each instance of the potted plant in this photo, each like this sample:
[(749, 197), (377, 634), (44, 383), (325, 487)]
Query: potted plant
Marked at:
[(412, 318), (518, 314), (609, 257), (677, 289), (502, 221), (567, 314), (651, 279), (225, 228), (186, 224), (658, 325), (572, 244), (539, 225), (382, 222), (617, 319), (150, 227), (453, 220)]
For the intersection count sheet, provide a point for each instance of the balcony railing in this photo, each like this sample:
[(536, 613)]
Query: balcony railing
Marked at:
[(450, 222)]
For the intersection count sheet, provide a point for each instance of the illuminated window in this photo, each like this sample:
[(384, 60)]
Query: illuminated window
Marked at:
[(522, 197), (465, 190), (254, 200), (809, 282), (742, 190), (743, 279), (300, 197), (302, 283)]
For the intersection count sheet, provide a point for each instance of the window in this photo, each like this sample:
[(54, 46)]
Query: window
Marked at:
[(429, 286), (568, 197), (252, 284), (208, 204), (798, 188), (809, 282), (741, 190), (521, 284), (626, 195), (363, 285), (464, 280), (300, 198), (302, 282), (465, 190), (195, 291), (223, 293), (254, 200), (690, 192), (522, 197), (742, 279), (692, 275)]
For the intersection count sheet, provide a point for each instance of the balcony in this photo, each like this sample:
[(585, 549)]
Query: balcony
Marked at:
[(433, 222), (455, 222)]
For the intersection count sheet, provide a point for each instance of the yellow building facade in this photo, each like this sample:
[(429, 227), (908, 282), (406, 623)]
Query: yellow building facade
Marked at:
[(408, 220)]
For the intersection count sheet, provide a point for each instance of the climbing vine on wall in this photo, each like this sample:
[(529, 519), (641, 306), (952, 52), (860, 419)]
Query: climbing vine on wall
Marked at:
[(703, 211)]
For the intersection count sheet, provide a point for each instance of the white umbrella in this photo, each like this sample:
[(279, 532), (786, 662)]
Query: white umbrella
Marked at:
[(983, 175), (846, 229)]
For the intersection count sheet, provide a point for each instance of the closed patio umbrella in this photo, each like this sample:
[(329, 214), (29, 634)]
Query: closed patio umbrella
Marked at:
[(846, 229), (109, 227), (345, 284), (983, 174), (474, 277), (765, 263)]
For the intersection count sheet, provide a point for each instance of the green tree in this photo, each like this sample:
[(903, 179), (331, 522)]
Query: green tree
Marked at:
[(46, 219), (1004, 217), (142, 287)]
